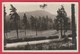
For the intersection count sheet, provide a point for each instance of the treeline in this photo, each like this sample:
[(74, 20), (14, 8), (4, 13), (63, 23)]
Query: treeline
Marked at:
[(32, 23), (41, 23)]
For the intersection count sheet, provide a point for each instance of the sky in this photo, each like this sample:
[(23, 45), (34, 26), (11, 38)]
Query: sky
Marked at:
[(51, 7)]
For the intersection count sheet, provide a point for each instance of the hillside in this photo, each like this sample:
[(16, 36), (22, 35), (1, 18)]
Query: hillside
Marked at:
[(36, 13)]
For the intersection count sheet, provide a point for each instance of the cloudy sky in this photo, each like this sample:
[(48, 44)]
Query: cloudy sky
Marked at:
[(51, 7)]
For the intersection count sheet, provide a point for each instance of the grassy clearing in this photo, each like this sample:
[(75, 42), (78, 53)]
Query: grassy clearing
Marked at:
[(32, 34)]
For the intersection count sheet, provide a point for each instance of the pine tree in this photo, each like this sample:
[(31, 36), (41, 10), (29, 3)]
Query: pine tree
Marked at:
[(5, 26), (33, 21), (36, 25), (15, 17), (25, 22), (61, 20)]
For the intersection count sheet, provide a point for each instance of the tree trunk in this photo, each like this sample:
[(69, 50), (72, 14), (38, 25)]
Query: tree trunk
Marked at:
[(25, 31), (4, 30), (61, 28), (36, 28), (73, 25), (16, 24), (64, 27)]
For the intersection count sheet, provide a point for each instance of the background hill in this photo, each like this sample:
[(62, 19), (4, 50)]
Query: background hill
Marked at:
[(36, 13)]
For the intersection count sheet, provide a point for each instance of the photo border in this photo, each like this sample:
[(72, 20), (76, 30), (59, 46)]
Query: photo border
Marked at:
[(39, 52)]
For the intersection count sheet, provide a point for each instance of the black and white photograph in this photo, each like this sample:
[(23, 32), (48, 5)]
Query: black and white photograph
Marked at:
[(40, 26)]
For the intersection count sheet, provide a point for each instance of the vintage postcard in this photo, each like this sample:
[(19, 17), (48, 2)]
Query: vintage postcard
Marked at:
[(40, 27)]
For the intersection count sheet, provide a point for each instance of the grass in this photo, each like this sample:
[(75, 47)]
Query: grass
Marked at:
[(32, 34)]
